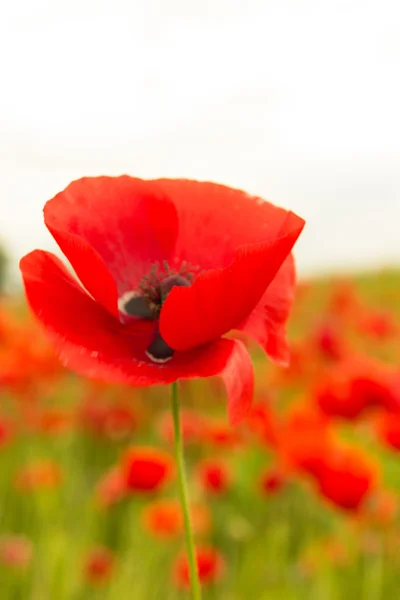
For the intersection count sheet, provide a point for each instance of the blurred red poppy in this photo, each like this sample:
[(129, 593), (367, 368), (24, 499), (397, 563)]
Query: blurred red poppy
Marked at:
[(344, 301), (329, 341), (305, 438), (24, 365), (272, 481), (214, 476), (347, 477), (99, 565), (146, 469), (54, 421), (355, 385), (219, 433), (378, 324), (388, 428), (164, 519), (170, 267), (210, 567)]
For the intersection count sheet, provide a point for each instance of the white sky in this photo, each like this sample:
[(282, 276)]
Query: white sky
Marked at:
[(294, 100)]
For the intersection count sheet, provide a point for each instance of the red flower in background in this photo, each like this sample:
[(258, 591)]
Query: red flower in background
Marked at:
[(272, 481), (214, 476), (329, 340), (169, 267), (25, 364), (347, 477), (305, 438), (218, 433), (388, 429), (164, 519), (146, 469), (380, 325), (99, 565), (54, 421), (210, 567), (344, 301), (356, 385), (344, 474)]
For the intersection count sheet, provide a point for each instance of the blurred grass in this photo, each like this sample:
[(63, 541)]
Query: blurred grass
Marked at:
[(275, 548)]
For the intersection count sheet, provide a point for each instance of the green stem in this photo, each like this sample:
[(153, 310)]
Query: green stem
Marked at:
[(183, 494)]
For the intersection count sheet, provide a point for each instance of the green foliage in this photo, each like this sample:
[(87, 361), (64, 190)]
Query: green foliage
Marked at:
[(289, 546)]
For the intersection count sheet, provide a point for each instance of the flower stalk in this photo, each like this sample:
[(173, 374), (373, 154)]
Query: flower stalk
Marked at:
[(183, 494)]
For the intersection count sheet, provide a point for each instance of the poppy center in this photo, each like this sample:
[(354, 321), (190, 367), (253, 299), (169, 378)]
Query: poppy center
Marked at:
[(146, 303)]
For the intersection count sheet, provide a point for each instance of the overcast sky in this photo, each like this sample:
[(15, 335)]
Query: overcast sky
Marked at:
[(294, 100)]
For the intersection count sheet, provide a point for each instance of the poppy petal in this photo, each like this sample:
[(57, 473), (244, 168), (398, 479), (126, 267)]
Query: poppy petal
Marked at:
[(93, 343), (90, 269), (206, 361), (214, 220), (129, 222), (221, 299), (267, 322), (66, 310), (238, 377)]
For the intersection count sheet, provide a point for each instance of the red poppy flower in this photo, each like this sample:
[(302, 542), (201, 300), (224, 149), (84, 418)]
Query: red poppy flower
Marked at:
[(219, 433), (164, 519), (344, 301), (26, 357), (214, 476), (272, 481), (329, 341), (54, 421), (169, 267), (210, 567), (347, 477), (357, 385), (146, 469), (99, 565), (304, 439), (388, 429), (379, 325)]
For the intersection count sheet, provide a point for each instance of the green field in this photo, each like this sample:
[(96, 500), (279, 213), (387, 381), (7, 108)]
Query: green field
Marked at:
[(61, 435)]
